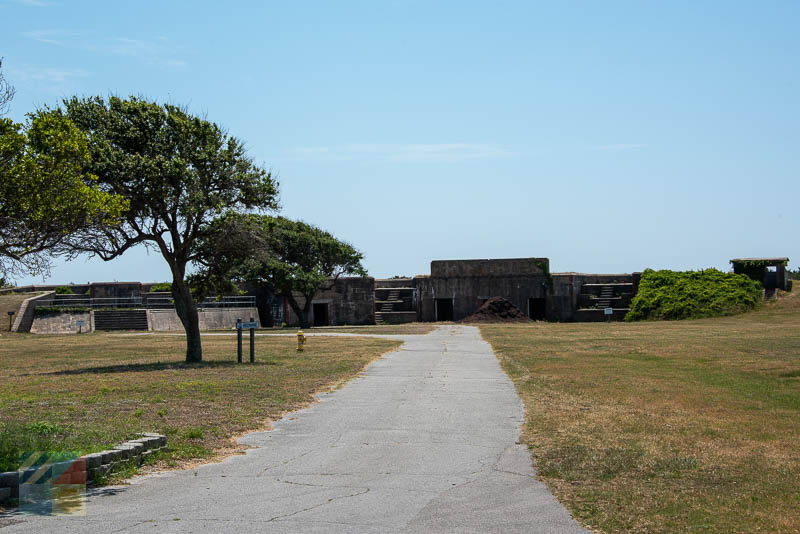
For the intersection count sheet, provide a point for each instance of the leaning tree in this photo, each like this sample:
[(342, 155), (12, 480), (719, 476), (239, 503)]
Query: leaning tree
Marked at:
[(294, 258), (178, 172)]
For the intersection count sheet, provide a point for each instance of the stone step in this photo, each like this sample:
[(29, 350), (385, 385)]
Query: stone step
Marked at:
[(120, 320)]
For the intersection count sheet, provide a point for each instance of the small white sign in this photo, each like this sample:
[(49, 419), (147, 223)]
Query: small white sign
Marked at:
[(80, 323), (608, 311), (248, 325)]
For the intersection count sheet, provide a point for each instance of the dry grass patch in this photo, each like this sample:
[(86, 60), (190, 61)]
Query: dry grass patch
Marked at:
[(88, 392), (665, 426)]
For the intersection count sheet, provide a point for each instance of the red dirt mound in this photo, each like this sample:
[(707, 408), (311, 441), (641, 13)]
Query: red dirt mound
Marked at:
[(497, 310)]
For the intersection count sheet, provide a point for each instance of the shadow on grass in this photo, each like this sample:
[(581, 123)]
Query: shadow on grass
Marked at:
[(157, 366)]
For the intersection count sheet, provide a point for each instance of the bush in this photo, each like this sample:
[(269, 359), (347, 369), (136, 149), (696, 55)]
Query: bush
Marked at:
[(693, 295), (163, 286), (64, 290)]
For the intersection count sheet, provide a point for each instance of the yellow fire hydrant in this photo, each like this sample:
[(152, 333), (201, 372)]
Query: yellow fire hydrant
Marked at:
[(301, 340)]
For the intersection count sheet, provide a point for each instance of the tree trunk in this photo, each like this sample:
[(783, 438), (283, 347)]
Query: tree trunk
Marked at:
[(187, 312), (302, 313)]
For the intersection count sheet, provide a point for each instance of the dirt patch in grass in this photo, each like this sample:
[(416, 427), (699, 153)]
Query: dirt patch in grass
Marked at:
[(87, 392), (665, 426)]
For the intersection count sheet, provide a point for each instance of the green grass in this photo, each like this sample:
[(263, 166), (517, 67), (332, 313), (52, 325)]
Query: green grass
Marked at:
[(665, 426), (86, 393)]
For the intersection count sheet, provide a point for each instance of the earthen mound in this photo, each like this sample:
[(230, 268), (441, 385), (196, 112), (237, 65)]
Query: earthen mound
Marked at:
[(497, 310)]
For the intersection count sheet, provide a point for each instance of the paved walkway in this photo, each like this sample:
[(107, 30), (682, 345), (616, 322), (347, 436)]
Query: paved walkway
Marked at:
[(424, 441)]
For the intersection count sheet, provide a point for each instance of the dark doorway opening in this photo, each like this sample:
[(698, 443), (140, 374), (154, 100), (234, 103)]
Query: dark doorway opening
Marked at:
[(444, 309), (537, 309), (321, 314)]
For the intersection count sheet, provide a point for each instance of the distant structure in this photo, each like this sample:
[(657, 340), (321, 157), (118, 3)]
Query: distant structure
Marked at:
[(452, 291), (456, 288), (771, 272)]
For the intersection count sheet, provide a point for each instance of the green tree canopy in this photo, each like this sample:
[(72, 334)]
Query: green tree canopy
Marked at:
[(45, 194), (178, 172), (293, 257)]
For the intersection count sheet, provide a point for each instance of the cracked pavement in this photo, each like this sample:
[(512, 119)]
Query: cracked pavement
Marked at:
[(425, 440)]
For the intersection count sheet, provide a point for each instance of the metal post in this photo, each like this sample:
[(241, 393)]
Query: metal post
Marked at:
[(252, 339), (10, 320), (239, 340)]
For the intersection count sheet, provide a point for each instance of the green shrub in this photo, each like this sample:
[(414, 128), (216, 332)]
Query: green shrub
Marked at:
[(163, 286), (64, 290), (693, 295)]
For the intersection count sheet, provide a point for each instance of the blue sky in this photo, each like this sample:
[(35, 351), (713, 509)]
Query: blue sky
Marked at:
[(607, 136)]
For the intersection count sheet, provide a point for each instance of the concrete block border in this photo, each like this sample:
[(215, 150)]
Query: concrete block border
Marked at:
[(96, 464)]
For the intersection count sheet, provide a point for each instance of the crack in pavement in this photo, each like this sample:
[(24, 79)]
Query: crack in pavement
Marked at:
[(330, 500)]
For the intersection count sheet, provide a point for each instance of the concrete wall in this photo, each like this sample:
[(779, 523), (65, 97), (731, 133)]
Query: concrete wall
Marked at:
[(468, 292), (24, 319), (400, 317), (61, 323), (116, 290), (393, 282), (210, 319), (78, 289), (499, 267), (565, 298), (350, 301)]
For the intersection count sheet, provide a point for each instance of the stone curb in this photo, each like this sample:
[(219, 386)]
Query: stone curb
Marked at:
[(96, 464)]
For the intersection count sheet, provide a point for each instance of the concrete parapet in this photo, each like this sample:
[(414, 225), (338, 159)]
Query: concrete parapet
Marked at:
[(24, 319), (63, 322), (399, 317), (210, 319)]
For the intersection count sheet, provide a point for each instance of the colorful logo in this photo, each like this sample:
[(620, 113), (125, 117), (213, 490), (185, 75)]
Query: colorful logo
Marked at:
[(52, 483)]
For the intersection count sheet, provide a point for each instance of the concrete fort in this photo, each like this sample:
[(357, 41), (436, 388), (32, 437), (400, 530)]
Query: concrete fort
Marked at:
[(456, 288), (453, 290)]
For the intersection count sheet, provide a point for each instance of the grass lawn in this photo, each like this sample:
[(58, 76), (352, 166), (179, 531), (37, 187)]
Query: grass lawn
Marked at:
[(88, 392), (676, 426)]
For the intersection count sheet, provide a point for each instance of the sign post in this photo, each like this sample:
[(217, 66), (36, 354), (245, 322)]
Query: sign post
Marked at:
[(608, 313), (10, 320), (80, 324), (252, 344), (252, 325), (238, 341)]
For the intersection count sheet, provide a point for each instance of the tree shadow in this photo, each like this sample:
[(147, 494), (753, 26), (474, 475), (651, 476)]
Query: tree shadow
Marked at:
[(157, 366)]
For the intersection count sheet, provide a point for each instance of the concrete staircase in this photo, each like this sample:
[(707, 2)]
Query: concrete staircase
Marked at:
[(394, 302), (606, 294), (594, 298), (120, 320)]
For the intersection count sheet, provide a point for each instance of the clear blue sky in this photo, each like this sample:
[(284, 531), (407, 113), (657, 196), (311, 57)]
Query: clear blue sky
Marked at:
[(607, 136)]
